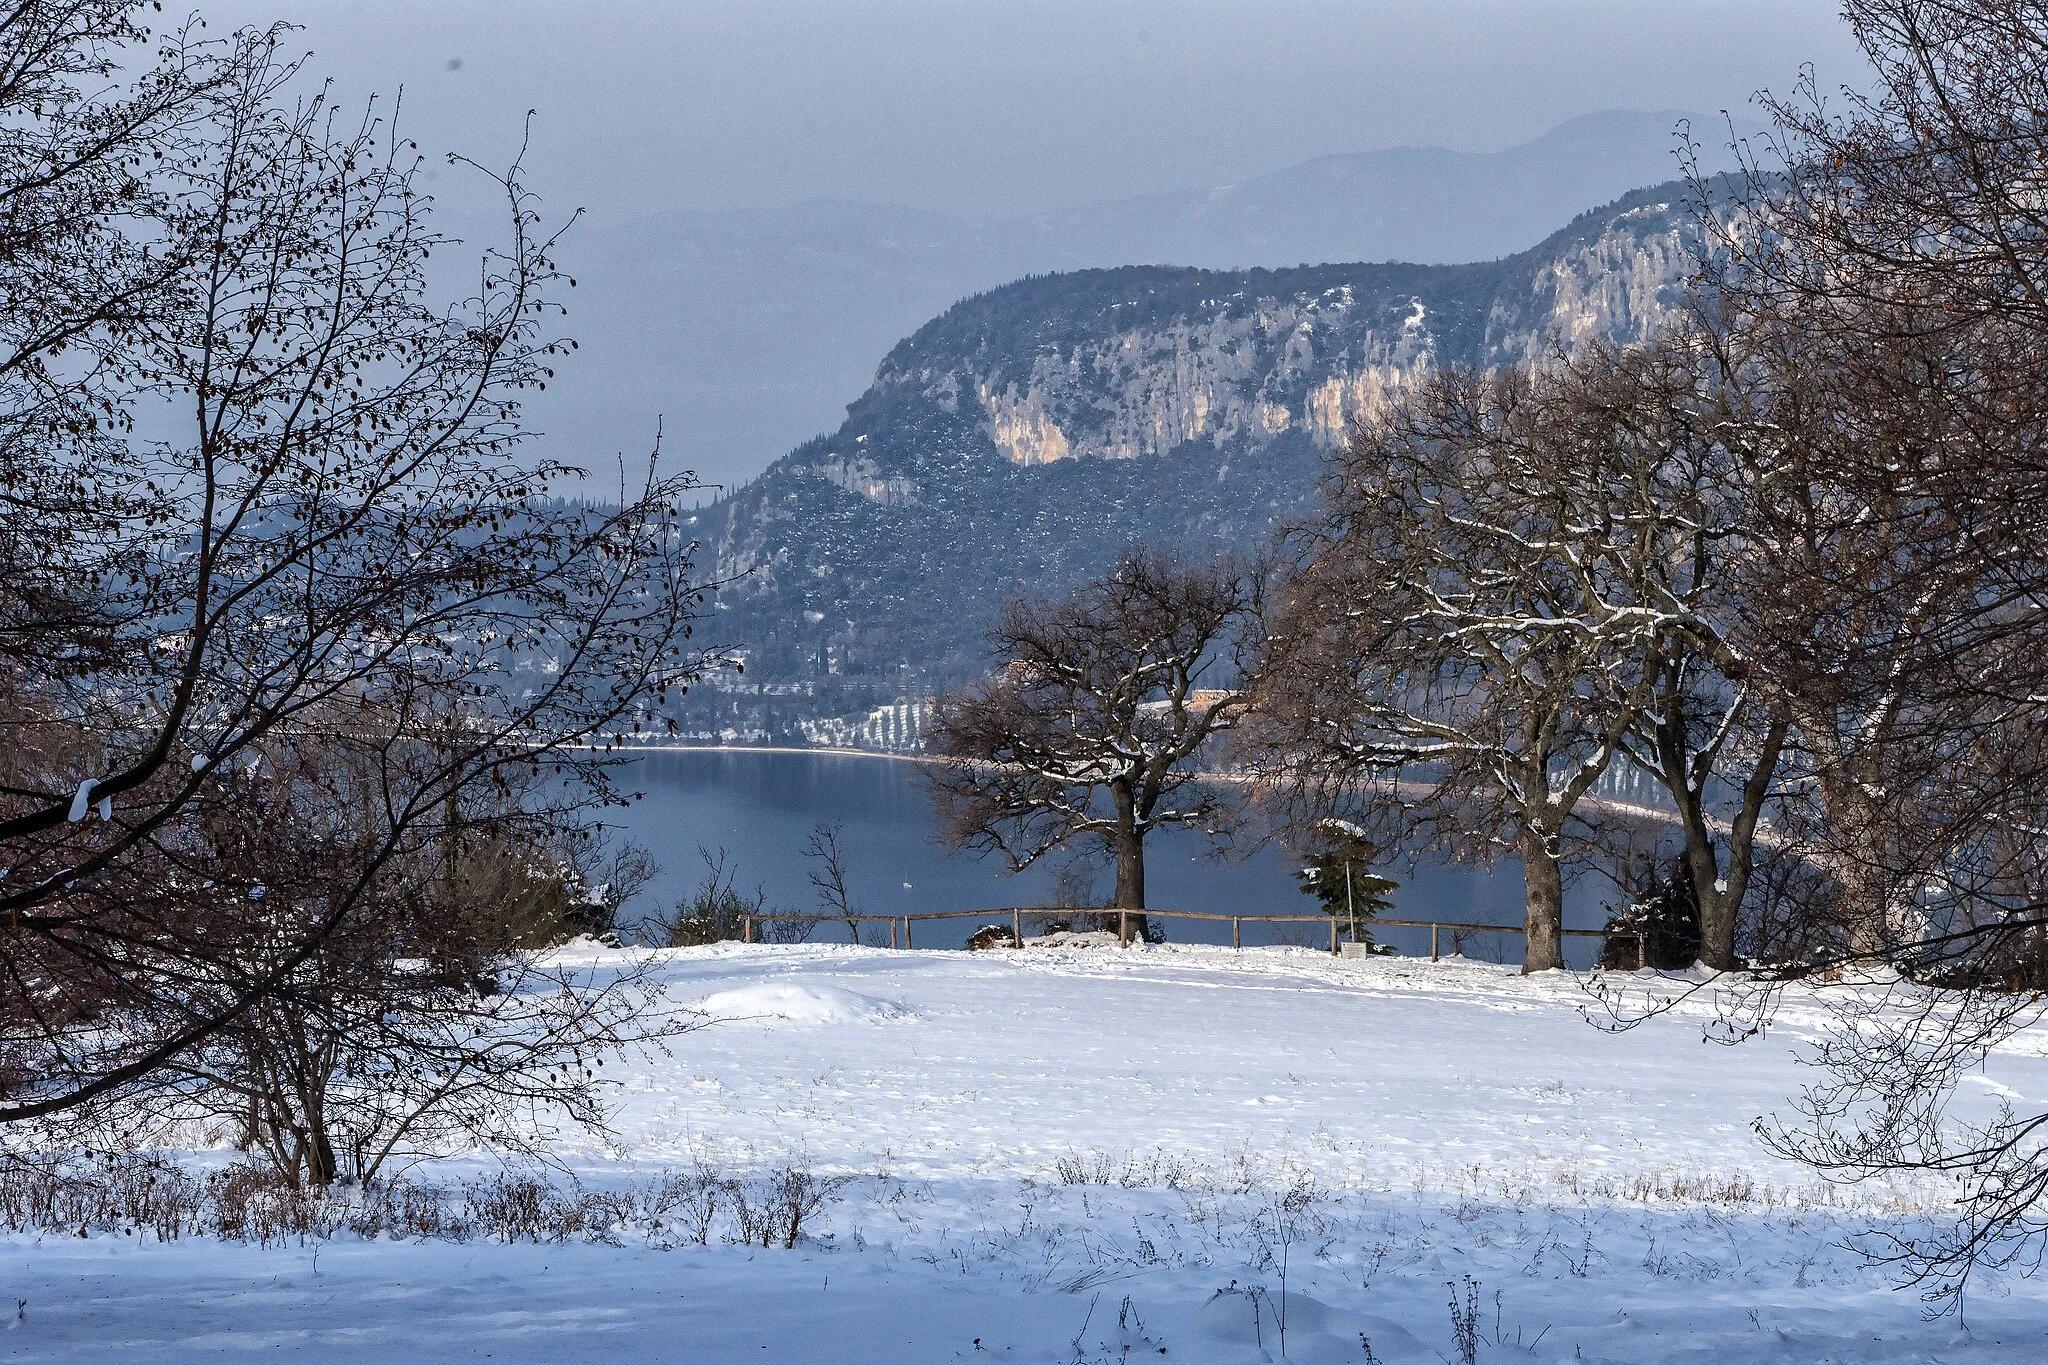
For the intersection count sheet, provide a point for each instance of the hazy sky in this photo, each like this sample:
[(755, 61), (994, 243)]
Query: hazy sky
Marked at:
[(1006, 106), (747, 337)]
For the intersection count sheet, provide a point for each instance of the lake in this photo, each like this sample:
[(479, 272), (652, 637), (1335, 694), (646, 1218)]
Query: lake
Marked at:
[(760, 806)]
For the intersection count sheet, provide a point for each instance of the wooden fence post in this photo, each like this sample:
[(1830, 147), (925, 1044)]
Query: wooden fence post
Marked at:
[(1017, 926), (1432, 943), (1236, 936), (747, 929), (1333, 936), (906, 931)]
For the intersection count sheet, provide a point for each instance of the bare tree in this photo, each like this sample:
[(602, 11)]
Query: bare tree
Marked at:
[(329, 526), (1089, 728), (1922, 185), (393, 1068), (1660, 539), (1659, 490), (1882, 267), (1884, 258), (1444, 654), (430, 1023), (82, 265), (828, 876)]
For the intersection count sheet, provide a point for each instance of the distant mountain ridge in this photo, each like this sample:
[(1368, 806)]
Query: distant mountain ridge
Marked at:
[(1023, 437), (1419, 205), (750, 329)]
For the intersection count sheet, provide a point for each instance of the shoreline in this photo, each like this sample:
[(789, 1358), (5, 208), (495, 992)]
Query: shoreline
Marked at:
[(1627, 810), (776, 749)]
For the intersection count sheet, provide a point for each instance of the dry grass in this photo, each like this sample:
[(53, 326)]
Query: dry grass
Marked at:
[(1541, 1182), (145, 1195)]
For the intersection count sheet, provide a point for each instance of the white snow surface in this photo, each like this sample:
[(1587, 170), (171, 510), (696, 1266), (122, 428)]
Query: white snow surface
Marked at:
[(1083, 1156), (796, 1003)]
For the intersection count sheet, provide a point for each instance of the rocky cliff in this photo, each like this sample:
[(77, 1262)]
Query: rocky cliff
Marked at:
[(1021, 439)]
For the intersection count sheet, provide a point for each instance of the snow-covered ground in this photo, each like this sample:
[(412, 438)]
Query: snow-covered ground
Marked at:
[(1082, 1156)]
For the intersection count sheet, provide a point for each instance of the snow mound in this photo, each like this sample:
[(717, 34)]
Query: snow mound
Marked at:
[(801, 1004)]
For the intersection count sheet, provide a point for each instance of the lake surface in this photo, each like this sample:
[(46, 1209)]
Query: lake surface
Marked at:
[(760, 807)]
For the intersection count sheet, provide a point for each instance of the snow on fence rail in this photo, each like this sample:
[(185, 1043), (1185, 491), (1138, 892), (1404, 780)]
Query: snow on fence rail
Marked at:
[(1336, 923)]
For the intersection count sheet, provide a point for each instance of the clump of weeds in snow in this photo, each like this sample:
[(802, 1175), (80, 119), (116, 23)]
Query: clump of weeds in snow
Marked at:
[(1468, 1331), (1465, 1320), (1373, 1257), (772, 1208), (1255, 1297), (1129, 1170), (1736, 1189), (1130, 1338), (1576, 1255), (685, 1203)]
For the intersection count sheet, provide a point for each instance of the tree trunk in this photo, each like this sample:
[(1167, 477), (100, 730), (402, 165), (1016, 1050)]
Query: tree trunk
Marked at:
[(321, 1167), (1702, 863), (1865, 909), (1717, 907), (1718, 894), (1742, 831), (1130, 866), (311, 1096), (1543, 891)]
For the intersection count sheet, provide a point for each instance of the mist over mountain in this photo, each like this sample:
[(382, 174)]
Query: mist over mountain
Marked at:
[(747, 331), (1423, 205)]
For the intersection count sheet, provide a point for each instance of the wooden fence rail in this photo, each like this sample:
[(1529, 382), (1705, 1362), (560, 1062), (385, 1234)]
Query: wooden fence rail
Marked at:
[(1336, 923)]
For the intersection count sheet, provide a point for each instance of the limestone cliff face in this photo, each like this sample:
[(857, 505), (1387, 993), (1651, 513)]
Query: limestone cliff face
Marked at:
[(1022, 425), (860, 474), (1241, 371), (1024, 437), (1237, 367), (1617, 279)]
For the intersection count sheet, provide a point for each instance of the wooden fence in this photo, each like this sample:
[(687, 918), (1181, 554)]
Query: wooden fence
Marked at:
[(1237, 922)]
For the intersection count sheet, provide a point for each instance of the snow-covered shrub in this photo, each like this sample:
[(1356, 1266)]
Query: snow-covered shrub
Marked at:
[(128, 1194), (249, 1203), (772, 1208), (753, 1221), (993, 936), (796, 1195), (511, 1207), (717, 911), (687, 1201)]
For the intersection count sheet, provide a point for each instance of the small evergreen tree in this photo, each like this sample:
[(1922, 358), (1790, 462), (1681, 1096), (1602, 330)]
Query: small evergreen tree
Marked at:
[(1659, 928), (1341, 876)]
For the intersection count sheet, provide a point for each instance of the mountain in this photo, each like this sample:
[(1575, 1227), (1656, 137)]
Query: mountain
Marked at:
[(1426, 205), (1021, 439), (749, 329)]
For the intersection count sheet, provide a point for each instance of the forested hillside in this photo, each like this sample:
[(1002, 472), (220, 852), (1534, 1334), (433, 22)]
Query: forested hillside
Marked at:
[(1025, 436)]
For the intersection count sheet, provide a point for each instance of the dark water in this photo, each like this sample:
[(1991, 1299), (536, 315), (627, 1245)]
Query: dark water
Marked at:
[(760, 808)]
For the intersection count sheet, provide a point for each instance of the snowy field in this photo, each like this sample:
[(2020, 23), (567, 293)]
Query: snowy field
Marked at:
[(1105, 1156)]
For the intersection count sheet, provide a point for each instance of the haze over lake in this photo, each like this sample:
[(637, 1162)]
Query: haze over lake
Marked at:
[(760, 806)]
